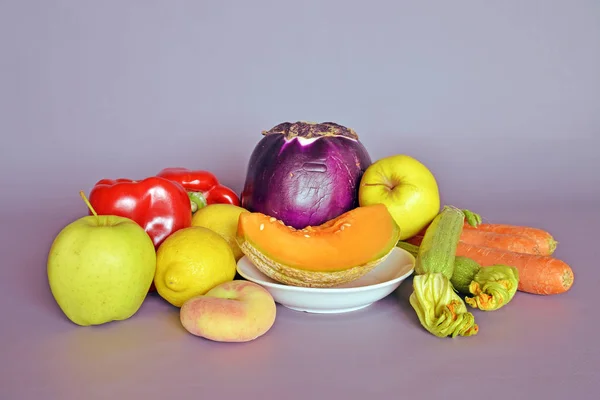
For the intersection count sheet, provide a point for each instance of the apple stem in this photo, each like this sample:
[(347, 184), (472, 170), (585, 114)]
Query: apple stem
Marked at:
[(89, 205)]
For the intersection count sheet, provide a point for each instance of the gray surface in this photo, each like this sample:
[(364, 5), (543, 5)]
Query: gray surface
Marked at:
[(536, 346), (499, 99)]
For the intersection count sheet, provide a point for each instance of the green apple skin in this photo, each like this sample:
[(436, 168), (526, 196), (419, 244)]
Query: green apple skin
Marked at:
[(100, 269), (408, 189)]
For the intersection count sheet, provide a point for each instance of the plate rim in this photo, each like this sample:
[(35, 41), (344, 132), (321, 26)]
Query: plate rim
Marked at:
[(339, 290)]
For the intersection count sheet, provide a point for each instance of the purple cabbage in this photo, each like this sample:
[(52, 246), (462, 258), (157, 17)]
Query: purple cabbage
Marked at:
[(305, 173)]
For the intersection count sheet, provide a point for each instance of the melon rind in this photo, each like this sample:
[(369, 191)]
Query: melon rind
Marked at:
[(314, 279)]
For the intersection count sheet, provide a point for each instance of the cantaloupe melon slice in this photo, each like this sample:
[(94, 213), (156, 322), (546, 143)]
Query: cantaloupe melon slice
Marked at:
[(338, 251)]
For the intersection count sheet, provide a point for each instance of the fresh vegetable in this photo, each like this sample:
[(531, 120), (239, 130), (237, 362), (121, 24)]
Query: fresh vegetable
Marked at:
[(509, 242), (158, 205), (338, 251), (438, 247), (471, 218), (544, 275), (522, 239), (538, 274), (545, 244), (305, 174), (203, 187), (492, 287), (465, 270), (441, 311)]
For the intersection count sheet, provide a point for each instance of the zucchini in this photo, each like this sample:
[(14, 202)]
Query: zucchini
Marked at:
[(437, 251), (465, 270)]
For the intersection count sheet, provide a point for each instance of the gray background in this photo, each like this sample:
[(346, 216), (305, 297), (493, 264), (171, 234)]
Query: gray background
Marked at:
[(501, 100)]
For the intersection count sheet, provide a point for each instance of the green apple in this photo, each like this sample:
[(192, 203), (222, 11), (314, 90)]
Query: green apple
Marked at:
[(100, 268), (408, 189)]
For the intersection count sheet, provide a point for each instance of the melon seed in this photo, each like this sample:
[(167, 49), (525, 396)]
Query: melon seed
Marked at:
[(306, 235), (272, 219), (262, 226)]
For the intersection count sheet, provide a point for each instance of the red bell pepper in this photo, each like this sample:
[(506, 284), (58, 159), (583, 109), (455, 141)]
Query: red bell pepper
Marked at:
[(203, 187), (158, 205)]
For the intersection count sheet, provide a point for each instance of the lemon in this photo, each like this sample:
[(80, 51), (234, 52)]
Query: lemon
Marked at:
[(223, 219), (190, 262)]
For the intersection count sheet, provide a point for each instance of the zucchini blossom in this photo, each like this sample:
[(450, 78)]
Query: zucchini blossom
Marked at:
[(493, 287), (440, 310)]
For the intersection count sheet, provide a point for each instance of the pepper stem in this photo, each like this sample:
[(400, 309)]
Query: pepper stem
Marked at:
[(197, 201), (89, 205)]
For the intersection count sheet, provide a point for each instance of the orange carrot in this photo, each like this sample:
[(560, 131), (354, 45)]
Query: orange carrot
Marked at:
[(545, 242), (526, 239), (509, 242), (544, 275)]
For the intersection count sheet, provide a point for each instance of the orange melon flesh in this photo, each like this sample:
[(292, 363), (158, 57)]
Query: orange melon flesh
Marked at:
[(353, 239)]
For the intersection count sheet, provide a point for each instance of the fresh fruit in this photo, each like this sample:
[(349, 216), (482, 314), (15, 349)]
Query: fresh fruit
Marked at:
[(100, 268), (408, 189), (223, 219), (338, 251), (305, 173), (236, 311), (190, 262)]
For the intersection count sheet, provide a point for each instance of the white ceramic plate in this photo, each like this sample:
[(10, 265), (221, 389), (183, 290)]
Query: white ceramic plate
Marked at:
[(374, 286)]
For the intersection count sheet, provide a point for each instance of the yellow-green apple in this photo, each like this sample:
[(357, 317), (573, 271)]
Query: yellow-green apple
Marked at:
[(408, 189), (235, 311), (100, 268)]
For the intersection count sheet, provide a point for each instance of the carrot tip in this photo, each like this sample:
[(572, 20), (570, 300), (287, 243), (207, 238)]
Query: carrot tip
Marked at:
[(567, 279), (552, 244)]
